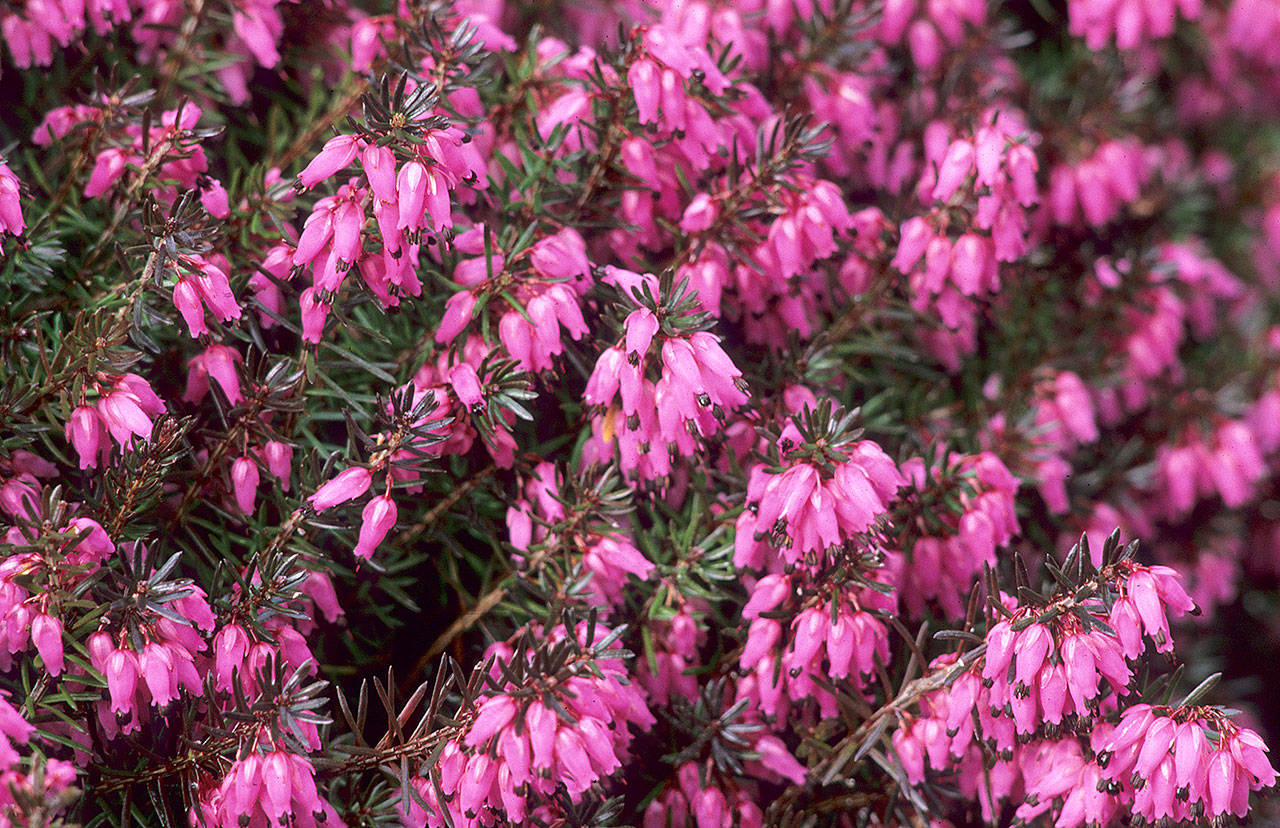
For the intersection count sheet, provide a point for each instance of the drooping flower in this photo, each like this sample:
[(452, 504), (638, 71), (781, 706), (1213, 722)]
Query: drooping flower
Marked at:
[(202, 285), (11, 220), (1179, 757), (378, 517), (86, 434), (269, 788), (656, 420), (244, 482), (349, 484), (830, 488)]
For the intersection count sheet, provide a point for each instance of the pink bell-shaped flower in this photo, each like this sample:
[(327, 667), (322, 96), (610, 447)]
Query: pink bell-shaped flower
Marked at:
[(350, 484), (46, 634), (84, 432), (244, 481), (378, 517)]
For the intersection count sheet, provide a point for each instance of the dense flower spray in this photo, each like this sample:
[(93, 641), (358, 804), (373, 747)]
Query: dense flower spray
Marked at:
[(666, 384), (461, 412)]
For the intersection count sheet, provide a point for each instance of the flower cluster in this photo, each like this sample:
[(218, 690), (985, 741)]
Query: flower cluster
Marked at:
[(528, 739), (944, 551), (835, 633), (408, 196), (601, 546), (826, 490), (656, 421), (461, 412), (159, 671), (202, 285), (30, 614), (1185, 761), (546, 298), (125, 408), (268, 788), (1131, 22), (1095, 188), (1062, 671)]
